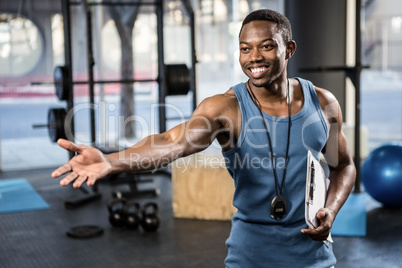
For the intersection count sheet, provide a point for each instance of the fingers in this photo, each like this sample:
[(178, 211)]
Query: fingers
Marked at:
[(79, 181), (320, 233), (322, 215), (69, 146), (73, 177), (61, 170), (312, 232), (68, 179), (91, 180)]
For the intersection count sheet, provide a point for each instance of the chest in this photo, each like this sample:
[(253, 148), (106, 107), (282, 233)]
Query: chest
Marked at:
[(236, 118)]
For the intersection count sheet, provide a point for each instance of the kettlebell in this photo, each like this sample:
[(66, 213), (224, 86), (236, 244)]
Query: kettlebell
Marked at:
[(150, 220), (116, 212), (131, 215)]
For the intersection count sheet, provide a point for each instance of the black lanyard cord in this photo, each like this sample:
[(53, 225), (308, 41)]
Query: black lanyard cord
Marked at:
[(257, 103)]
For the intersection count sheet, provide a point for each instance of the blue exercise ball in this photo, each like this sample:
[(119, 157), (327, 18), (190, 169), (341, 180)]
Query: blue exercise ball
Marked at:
[(382, 174)]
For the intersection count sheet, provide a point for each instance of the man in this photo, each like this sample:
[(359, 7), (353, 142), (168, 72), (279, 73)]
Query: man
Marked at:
[(266, 158)]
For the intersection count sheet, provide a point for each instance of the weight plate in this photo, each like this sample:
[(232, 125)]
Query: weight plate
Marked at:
[(61, 82), (84, 231), (56, 118), (177, 79)]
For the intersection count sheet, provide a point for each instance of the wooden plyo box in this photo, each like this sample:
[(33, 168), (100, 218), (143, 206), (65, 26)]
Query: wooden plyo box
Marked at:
[(202, 188)]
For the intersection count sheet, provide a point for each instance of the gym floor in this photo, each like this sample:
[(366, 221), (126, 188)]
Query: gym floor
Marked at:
[(38, 238)]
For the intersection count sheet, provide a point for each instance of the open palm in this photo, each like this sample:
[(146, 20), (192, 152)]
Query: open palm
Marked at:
[(88, 165)]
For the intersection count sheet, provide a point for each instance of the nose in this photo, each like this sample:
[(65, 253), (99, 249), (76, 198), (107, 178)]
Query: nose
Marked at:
[(255, 55)]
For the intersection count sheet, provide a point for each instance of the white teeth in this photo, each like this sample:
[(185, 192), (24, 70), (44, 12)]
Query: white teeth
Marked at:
[(257, 70)]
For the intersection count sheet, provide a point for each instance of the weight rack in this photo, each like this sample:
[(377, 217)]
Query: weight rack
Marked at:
[(172, 79)]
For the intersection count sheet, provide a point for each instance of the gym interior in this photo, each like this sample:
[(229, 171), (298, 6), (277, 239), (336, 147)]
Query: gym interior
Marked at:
[(68, 71)]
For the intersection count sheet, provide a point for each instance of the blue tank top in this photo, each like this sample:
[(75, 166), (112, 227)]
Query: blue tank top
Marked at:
[(257, 240)]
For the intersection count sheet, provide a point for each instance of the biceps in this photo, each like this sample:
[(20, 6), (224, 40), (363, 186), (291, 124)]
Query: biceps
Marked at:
[(337, 152), (336, 148), (195, 135)]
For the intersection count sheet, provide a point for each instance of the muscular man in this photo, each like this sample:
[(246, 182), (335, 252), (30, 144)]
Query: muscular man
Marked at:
[(265, 127)]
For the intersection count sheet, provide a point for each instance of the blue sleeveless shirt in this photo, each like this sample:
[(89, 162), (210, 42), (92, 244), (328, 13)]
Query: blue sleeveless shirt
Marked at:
[(256, 239)]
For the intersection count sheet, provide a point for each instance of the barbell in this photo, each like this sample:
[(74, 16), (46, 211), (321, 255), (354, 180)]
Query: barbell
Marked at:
[(177, 78), (60, 77), (56, 118), (177, 83)]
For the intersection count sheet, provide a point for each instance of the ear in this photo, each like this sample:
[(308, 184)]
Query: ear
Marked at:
[(290, 49)]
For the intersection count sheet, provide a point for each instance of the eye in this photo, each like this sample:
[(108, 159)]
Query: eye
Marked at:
[(267, 46), (244, 49)]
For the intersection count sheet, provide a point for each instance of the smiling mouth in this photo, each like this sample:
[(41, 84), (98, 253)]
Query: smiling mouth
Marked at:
[(258, 70)]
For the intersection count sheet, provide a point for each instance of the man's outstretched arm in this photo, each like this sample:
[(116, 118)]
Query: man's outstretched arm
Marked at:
[(152, 152)]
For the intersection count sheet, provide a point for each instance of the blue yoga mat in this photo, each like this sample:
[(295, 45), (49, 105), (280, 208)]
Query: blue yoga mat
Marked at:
[(352, 218), (18, 195)]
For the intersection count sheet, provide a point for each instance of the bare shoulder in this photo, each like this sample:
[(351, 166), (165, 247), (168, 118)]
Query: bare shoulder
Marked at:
[(227, 97), (329, 104), (324, 96), (219, 104)]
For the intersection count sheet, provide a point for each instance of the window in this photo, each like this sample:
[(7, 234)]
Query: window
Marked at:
[(382, 82), (21, 45)]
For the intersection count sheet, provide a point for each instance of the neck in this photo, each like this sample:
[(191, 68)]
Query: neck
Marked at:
[(275, 92)]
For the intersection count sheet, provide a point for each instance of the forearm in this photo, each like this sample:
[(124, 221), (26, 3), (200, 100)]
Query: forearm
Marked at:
[(159, 150), (152, 152), (342, 180)]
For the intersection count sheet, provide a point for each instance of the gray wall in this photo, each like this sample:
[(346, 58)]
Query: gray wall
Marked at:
[(319, 29)]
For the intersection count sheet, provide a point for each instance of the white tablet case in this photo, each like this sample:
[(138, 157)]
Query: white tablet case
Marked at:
[(316, 191)]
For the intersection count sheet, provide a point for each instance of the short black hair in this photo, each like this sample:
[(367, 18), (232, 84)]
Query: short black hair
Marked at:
[(282, 21)]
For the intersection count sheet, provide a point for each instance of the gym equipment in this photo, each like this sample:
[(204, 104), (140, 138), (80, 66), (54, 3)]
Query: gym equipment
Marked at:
[(132, 215), (177, 80), (202, 191), (56, 124), (18, 195), (60, 77), (177, 83), (382, 174), (173, 79), (351, 220), (132, 181), (56, 118), (180, 79), (116, 212), (150, 220), (91, 195), (84, 231), (163, 76)]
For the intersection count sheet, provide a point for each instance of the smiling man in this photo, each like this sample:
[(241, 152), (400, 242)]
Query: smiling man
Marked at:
[(270, 116)]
